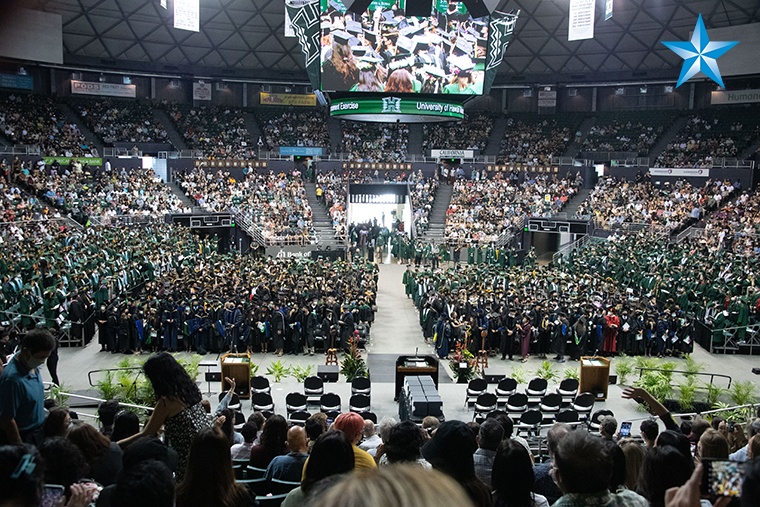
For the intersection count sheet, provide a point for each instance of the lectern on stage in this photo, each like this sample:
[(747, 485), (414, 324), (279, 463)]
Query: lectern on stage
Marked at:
[(415, 366), (595, 376), (238, 367)]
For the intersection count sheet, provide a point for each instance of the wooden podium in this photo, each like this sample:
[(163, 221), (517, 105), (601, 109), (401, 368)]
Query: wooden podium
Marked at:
[(415, 366), (595, 376), (238, 367)]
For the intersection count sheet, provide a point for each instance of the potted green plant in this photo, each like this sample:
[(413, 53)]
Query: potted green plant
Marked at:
[(547, 372), (572, 373), (301, 372), (713, 394), (623, 368), (278, 371), (353, 364), (687, 395), (520, 374)]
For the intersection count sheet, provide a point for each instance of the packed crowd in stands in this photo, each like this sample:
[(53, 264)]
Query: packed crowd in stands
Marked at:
[(218, 131), (423, 193), (470, 134), (296, 128), (277, 203), (331, 192), (34, 120), (533, 142), (481, 209), (614, 202), (734, 227), (709, 136), (369, 142), (121, 121), (624, 135)]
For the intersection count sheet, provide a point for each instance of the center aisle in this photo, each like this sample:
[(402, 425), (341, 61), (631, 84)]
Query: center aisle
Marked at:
[(396, 329)]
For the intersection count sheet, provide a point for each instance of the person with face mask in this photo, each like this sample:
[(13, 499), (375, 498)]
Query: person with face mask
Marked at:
[(21, 391)]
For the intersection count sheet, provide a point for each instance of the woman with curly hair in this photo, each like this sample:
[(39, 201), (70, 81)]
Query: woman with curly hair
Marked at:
[(178, 407), (272, 442)]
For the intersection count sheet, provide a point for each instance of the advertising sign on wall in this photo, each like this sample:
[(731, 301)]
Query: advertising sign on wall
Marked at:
[(105, 89), (201, 91), (288, 99)]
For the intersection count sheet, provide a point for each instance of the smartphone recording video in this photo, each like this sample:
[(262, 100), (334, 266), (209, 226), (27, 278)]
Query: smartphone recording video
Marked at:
[(722, 477)]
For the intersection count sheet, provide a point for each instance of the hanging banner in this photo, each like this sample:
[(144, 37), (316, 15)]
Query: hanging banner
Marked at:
[(201, 91), (734, 97), (305, 24), (581, 20), (187, 15), (608, 10), (500, 27), (468, 154), (16, 81), (289, 32), (105, 89), (288, 99), (547, 98)]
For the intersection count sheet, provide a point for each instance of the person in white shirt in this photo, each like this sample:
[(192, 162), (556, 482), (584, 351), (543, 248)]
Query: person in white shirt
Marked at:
[(371, 439), (243, 451)]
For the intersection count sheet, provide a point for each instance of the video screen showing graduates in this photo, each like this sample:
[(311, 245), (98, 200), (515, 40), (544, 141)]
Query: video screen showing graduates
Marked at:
[(382, 50)]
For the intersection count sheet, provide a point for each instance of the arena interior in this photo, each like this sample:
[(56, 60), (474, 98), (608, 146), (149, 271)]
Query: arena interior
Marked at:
[(537, 212)]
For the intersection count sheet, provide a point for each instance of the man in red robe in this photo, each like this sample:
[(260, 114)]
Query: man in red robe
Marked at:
[(610, 332)]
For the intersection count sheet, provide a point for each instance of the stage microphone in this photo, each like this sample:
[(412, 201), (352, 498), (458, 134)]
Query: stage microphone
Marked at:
[(416, 350), (596, 353)]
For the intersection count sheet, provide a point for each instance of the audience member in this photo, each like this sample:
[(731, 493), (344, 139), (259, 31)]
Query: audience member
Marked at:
[(243, 450), (583, 471), (451, 452), (401, 486), (125, 425), (489, 437), (107, 411), (513, 478), (21, 390), (712, 445), (544, 483), (634, 454), (289, 467), (649, 431), (103, 456), (332, 454), (178, 407), (208, 479), (664, 467), (57, 422), (148, 484), (352, 424), (63, 462), (402, 445), (371, 439), (21, 476), (273, 442)]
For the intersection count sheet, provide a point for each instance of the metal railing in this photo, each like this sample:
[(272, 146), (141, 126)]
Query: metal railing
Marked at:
[(631, 162), (253, 230), (571, 161), (121, 152), (568, 249), (689, 373), (19, 150)]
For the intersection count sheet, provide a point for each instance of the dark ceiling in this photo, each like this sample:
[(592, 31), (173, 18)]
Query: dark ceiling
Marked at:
[(244, 38)]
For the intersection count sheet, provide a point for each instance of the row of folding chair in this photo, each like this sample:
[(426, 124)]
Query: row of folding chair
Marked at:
[(314, 387), (550, 405), (268, 492), (507, 387)]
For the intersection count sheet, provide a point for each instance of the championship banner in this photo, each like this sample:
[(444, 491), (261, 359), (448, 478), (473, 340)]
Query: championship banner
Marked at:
[(187, 15), (501, 26), (680, 171), (104, 89), (287, 99), (201, 91), (305, 24), (735, 97), (581, 20), (68, 160)]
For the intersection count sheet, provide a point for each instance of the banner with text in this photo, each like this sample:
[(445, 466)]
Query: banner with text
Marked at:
[(391, 109), (201, 91), (734, 97), (105, 89), (288, 99), (696, 172), (547, 98), (68, 160), (300, 151), (16, 81), (581, 20), (452, 153)]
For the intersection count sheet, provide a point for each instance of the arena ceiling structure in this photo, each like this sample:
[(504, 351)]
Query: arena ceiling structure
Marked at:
[(245, 39)]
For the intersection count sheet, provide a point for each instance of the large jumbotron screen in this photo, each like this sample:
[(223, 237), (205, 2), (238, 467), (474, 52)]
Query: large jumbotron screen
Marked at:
[(382, 50)]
